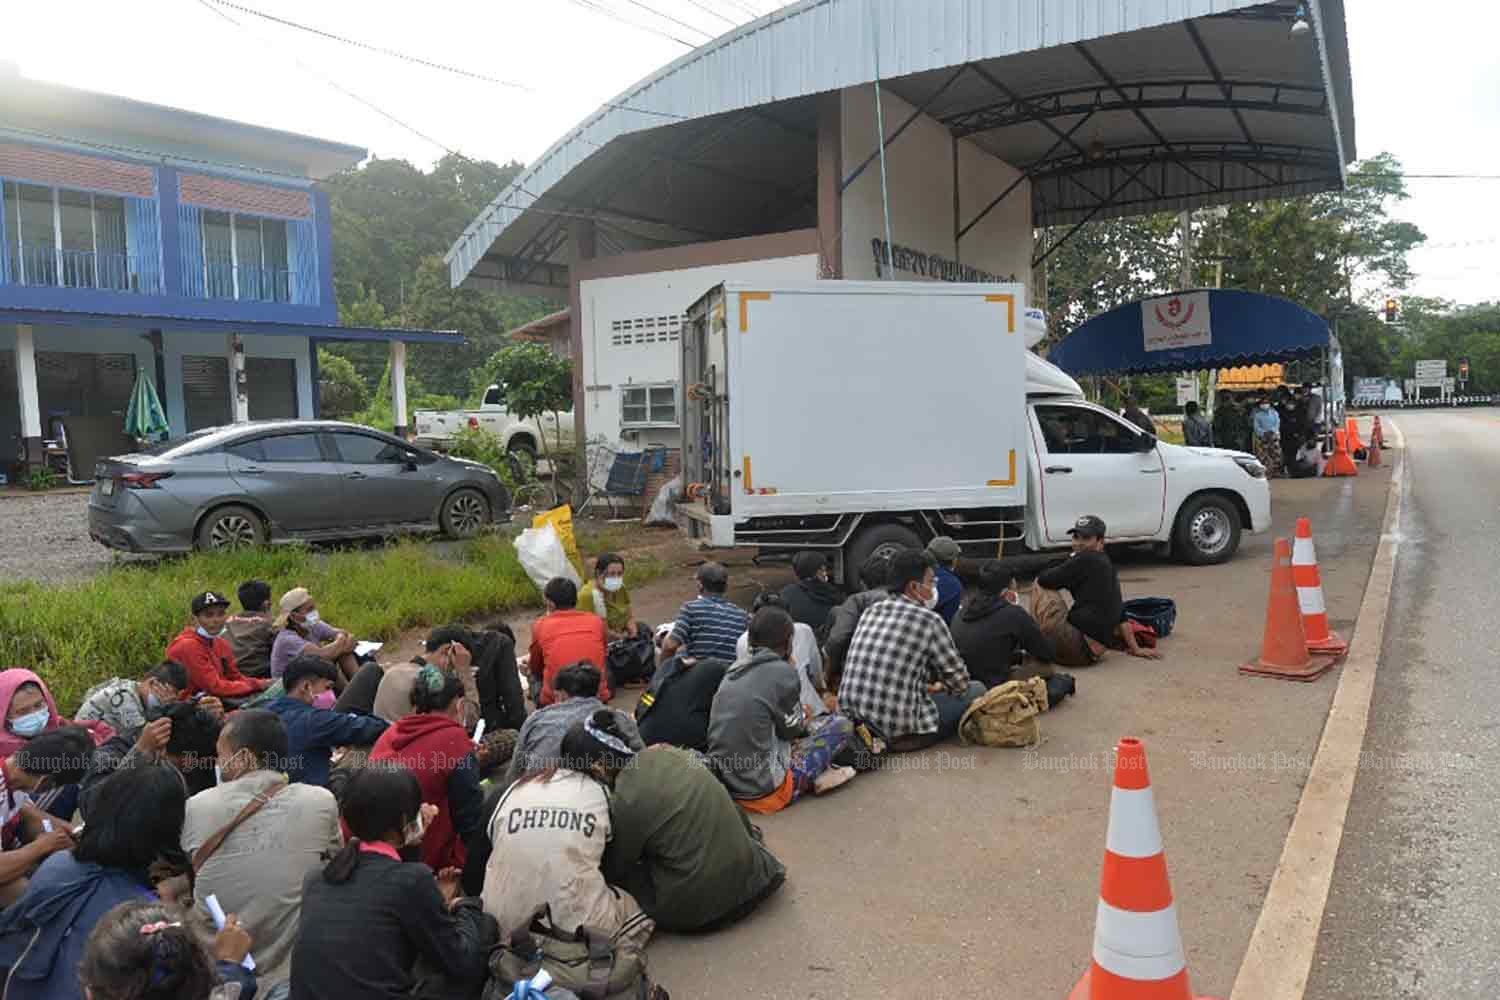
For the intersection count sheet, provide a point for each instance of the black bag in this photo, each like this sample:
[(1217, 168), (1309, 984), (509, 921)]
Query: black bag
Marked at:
[(1158, 612)]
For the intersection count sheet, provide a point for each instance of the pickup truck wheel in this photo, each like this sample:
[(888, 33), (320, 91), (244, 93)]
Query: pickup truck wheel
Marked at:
[(882, 540), (1208, 531), (522, 457), (231, 527), (465, 514)]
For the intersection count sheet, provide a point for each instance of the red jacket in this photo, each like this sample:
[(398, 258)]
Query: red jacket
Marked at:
[(433, 747), (210, 666), (564, 638)]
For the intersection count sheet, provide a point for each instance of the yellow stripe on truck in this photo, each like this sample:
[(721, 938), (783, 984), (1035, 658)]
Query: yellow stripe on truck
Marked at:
[(1010, 314), (745, 299), (993, 482)]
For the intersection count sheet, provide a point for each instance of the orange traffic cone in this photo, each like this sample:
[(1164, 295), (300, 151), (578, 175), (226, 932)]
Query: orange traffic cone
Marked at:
[(1340, 464), (1372, 456), (1283, 649), (1310, 594), (1377, 434), (1351, 429), (1138, 951)]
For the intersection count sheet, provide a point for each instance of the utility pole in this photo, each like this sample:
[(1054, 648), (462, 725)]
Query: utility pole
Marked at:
[(1185, 226)]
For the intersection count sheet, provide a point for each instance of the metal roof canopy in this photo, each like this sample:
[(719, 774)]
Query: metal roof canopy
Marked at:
[(1109, 107), (1248, 328), (188, 324)]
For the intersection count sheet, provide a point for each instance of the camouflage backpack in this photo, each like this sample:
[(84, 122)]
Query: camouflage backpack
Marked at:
[(1006, 716)]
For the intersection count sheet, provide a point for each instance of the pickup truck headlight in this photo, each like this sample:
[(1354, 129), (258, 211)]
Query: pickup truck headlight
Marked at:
[(1252, 467)]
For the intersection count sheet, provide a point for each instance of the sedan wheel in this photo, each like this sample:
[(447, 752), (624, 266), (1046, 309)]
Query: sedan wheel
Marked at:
[(465, 514), (231, 528)]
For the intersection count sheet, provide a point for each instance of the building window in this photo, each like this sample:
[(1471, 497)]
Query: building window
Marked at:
[(245, 257), (648, 405), (70, 239)]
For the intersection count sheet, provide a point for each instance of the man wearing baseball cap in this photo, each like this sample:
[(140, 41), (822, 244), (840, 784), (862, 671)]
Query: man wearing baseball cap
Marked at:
[(950, 591), (1096, 622), (203, 649)]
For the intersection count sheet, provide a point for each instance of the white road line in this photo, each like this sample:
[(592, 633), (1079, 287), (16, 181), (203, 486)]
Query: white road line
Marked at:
[(1280, 955)]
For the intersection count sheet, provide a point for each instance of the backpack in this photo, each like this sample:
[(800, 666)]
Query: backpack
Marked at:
[(1006, 716), (590, 963)]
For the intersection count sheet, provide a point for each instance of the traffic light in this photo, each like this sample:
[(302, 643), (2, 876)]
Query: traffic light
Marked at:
[(1390, 310), (1463, 369)]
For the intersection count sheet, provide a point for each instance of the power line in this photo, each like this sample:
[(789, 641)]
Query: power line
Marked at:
[(593, 7), (667, 17), (393, 53), (709, 10)]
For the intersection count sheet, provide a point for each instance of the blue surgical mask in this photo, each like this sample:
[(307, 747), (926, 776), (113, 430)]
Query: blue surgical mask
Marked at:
[(312, 617), (152, 701), (31, 723), (209, 635)]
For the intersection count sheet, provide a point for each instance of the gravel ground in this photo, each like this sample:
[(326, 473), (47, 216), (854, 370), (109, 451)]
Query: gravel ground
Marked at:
[(46, 538)]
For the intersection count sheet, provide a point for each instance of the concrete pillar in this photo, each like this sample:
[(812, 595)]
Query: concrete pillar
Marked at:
[(582, 245), (32, 451), (398, 386), (830, 177), (239, 395)]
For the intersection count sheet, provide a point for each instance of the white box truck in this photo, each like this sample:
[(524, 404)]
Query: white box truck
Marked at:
[(862, 417)]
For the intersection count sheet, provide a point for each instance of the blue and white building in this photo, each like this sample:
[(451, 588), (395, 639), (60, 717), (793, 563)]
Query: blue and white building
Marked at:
[(136, 237)]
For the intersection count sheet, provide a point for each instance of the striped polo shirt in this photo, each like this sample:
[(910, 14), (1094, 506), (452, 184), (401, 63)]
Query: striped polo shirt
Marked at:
[(710, 626)]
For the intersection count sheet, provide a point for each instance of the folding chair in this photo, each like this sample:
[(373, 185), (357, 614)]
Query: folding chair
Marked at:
[(627, 477)]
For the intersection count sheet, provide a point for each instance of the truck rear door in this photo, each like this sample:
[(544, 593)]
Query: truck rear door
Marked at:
[(705, 413)]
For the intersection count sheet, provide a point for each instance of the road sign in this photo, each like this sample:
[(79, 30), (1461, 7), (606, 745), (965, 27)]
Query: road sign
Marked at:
[(1432, 369), (1187, 390)]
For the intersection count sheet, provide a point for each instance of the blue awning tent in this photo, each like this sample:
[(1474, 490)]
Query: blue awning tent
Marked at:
[(1245, 328)]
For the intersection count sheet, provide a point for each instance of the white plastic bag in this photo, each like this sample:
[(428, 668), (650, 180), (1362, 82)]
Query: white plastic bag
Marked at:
[(661, 507), (542, 557)]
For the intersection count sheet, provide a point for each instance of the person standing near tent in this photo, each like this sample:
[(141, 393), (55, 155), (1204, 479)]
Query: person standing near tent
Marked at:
[(1196, 431), (1267, 426), (1231, 427)]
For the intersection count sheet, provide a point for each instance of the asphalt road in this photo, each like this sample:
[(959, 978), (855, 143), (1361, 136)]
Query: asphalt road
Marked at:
[(1412, 910)]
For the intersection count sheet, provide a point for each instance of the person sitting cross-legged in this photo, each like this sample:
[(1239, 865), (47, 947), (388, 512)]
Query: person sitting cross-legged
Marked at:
[(562, 636), (252, 632), (122, 703), (313, 733), (875, 575), (682, 848), (632, 657), (1096, 622), (708, 626), (301, 631), (950, 590), (202, 647), (811, 598), (903, 674), (258, 868), (758, 733), (992, 628)]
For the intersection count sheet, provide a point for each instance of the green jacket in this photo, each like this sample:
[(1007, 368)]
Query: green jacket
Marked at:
[(682, 847)]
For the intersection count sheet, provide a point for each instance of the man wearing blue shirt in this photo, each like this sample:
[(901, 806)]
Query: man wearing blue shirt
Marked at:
[(950, 591), (312, 733)]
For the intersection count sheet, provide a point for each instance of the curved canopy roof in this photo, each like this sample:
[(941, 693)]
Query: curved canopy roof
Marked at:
[(1110, 107), (1244, 328)]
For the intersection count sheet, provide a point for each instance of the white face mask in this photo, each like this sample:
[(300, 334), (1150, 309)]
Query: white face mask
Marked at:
[(932, 600), (414, 831), (312, 617), (613, 583)]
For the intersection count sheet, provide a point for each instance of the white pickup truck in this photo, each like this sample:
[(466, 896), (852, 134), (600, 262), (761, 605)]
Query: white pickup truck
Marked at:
[(435, 428), (862, 417)]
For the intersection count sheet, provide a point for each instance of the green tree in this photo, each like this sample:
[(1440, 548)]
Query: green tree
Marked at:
[(535, 380), (342, 392), (1106, 264)]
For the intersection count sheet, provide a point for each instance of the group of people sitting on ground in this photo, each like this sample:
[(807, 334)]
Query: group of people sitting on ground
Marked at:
[(367, 828)]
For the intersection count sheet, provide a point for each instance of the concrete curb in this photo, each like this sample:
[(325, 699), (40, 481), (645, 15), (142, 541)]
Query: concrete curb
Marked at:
[(1280, 956)]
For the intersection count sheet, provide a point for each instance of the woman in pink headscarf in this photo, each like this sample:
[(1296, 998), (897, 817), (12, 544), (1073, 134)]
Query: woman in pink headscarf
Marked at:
[(29, 709)]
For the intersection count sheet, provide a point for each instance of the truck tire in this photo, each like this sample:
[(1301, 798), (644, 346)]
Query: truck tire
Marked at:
[(881, 539), (465, 514), (1208, 530), (230, 527)]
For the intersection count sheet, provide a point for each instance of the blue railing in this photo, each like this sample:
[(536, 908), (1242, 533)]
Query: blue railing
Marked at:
[(118, 272), (222, 279)]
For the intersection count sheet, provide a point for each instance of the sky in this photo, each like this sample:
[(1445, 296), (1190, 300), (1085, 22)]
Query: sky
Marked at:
[(1426, 83)]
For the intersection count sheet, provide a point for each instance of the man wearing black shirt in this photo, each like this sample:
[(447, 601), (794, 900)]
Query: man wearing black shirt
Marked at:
[(811, 599), (992, 628), (1096, 622)]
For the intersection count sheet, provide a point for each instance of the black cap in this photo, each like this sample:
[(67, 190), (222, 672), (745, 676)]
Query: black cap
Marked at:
[(1088, 526), (209, 599)]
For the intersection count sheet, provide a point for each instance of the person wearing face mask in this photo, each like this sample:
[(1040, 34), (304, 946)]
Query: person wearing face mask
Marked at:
[(313, 732), (367, 916), (432, 744), (30, 709), (945, 552), (992, 628), (301, 631), (631, 654), (1267, 427), (254, 838), (806, 658), (204, 651), (764, 748), (903, 675), (123, 704)]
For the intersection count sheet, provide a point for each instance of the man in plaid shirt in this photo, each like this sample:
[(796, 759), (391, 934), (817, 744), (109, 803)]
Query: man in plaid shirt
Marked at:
[(903, 674)]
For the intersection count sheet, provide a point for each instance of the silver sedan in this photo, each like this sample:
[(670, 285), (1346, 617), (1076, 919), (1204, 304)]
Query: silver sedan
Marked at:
[(286, 480)]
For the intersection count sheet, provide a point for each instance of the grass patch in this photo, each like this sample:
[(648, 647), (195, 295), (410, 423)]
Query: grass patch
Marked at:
[(119, 622)]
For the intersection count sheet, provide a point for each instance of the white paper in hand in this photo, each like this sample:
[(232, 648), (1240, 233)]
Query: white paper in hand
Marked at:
[(363, 648), (217, 912)]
